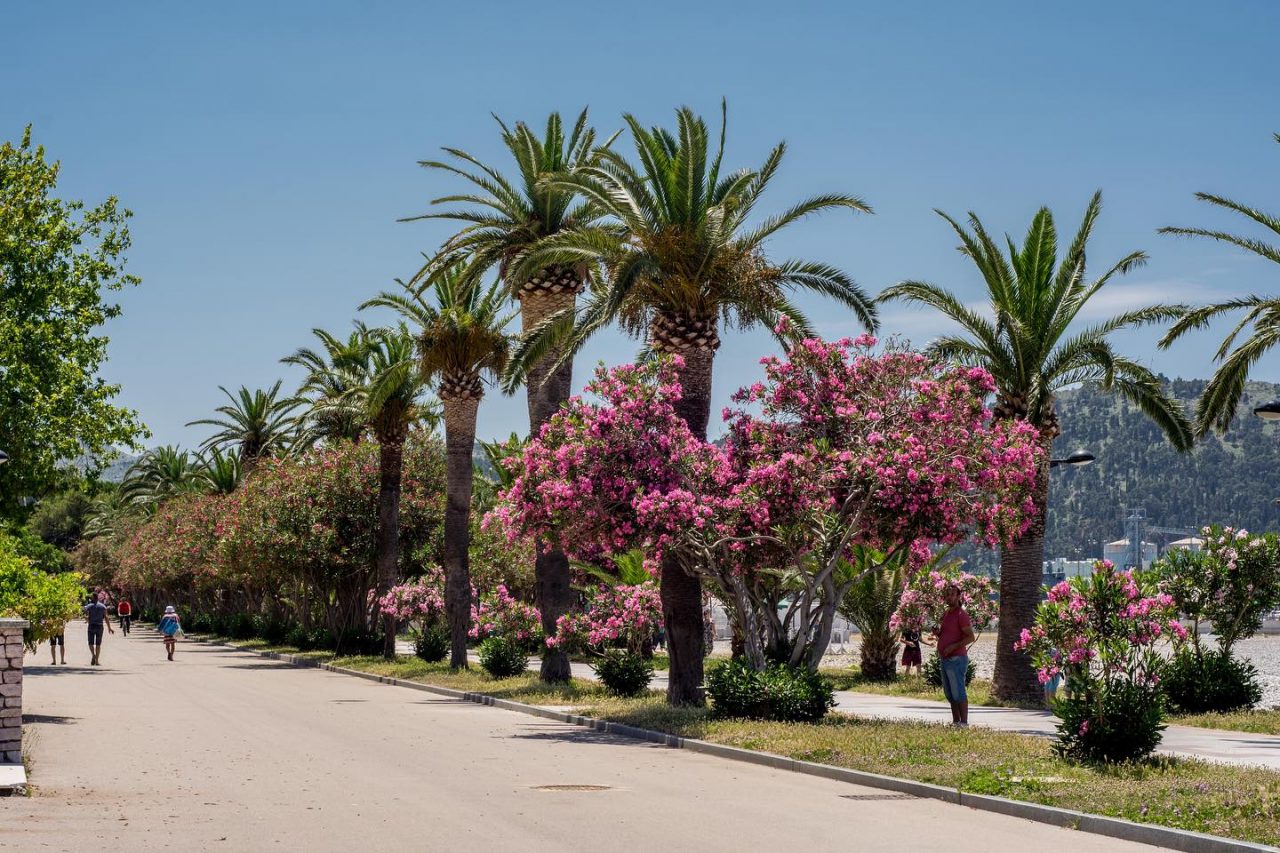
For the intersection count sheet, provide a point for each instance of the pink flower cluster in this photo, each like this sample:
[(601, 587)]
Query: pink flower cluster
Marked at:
[(614, 615), (1102, 628), (500, 614), (418, 602), (921, 607)]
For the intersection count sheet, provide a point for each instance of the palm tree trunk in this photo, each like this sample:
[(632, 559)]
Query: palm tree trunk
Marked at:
[(681, 590), (390, 468), (1021, 578), (459, 440), (547, 390), (878, 656)]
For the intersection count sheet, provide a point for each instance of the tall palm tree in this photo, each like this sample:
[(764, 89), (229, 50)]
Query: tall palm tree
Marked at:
[(1217, 406), (390, 403), (681, 261), (258, 423), (218, 473), (461, 341), (503, 219), (1030, 340), (333, 373)]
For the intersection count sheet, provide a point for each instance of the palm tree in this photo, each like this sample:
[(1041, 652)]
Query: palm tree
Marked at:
[(334, 372), (390, 403), (1217, 406), (869, 604), (1030, 342), (218, 473), (461, 341), (159, 474), (504, 218), (258, 423), (680, 262)]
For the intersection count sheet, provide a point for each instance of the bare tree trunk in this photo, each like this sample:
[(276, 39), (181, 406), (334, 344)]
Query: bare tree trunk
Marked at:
[(547, 391), (681, 590), (459, 440), (390, 468), (1021, 577)]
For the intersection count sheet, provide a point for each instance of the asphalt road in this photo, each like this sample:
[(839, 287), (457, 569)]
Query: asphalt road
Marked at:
[(222, 750)]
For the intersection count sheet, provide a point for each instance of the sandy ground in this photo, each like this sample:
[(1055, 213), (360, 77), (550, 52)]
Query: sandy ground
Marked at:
[(222, 750)]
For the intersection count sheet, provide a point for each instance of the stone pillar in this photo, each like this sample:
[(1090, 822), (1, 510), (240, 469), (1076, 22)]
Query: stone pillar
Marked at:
[(11, 690)]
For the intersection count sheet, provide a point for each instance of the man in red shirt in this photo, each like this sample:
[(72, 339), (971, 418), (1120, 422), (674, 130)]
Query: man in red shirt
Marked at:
[(955, 635), (125, 611)]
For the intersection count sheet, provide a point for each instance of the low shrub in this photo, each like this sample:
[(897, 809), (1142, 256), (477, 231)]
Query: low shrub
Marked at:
[(241, 626), (432, 645), (624, 673), (196, 623), (273, 630), (932, 671), (1122, 723), (502, 657), (298, 637), (1212, 681), (779, 692)]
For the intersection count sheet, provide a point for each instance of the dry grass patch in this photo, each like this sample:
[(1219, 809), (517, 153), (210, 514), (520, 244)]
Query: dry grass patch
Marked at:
[(521, 688)]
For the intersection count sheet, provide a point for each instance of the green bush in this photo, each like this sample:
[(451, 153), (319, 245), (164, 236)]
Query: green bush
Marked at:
[(932, 672), (502, 657), (780, 692), (624, 673), (1124, 723), (1212, 681), (241, 626), (273, 630), (432, 644)]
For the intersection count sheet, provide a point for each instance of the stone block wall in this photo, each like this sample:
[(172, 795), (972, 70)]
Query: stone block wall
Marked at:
[(11, 690)]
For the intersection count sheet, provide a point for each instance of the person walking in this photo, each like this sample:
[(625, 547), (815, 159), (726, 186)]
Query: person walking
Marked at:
[(96, 614), (955, 635), (124, 610), (170, 627), (910, 651), (58, 641)]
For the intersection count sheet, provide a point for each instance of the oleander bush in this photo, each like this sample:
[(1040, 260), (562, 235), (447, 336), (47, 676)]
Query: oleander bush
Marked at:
[(623, 672), (778, 692), (1211, 681), (503, 657)]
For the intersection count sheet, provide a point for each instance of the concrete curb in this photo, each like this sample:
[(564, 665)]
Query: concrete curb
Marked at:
[(1125, 830)]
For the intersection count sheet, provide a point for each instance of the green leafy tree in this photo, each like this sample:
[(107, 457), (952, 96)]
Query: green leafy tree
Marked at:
[(46, 601), (503, 219), (58, 259), (461, 340), (1032, 341), (1217, 406), (680, 261)]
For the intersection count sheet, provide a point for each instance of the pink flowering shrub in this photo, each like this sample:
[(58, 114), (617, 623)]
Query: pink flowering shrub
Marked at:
[(418, 603), (627, 616), (1101, 631), (845, 449), (921, 607), (500, 614)]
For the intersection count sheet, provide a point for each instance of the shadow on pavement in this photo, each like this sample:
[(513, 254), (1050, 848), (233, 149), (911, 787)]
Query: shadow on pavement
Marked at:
[(73, 669), (48, 718), (576, 735)]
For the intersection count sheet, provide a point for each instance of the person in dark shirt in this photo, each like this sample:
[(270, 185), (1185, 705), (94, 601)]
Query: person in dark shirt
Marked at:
[(910, 651), (96, 614)]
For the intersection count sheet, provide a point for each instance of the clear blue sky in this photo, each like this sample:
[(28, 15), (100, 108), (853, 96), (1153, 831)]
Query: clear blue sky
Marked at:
[(267, 149)]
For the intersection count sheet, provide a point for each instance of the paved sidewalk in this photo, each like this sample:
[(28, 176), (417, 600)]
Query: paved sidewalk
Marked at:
[(1184, 741), (225, 751)]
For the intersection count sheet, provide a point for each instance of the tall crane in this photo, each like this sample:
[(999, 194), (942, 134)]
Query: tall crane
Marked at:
[(1136, 530)]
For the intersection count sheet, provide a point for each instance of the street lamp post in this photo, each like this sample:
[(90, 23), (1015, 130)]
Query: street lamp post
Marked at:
[(1080, 457)]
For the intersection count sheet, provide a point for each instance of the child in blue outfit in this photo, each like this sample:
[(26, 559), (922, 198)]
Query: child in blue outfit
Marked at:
[(170, 627)]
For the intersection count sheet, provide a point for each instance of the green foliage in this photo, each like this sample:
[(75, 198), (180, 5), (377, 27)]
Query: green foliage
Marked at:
[(60, 518), (57, 259), (503, 657), (47, 601), (1212, 681), (932, 671), (42, 555), (1122, 723), (779, 692), (624, 673), (432, 645), (255, 423)]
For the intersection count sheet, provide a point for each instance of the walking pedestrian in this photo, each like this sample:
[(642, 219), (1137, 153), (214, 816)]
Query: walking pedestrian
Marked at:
[(170, 627), (96, 614), (58, 641), (955, 635), (910, 651), (124, 610)]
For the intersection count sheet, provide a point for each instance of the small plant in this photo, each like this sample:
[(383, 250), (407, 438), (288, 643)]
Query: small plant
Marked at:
[(273, 630), (1124, 722), (1210, 681), (241, 626), (503, 657), (298, 637), (624, 673), (778, 692), (432, 644), (932, 671)]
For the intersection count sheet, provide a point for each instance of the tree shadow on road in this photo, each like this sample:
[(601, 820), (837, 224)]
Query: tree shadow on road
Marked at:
[(54, 719)]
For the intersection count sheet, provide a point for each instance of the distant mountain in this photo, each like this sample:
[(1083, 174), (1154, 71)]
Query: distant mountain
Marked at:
[(115, 472)]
